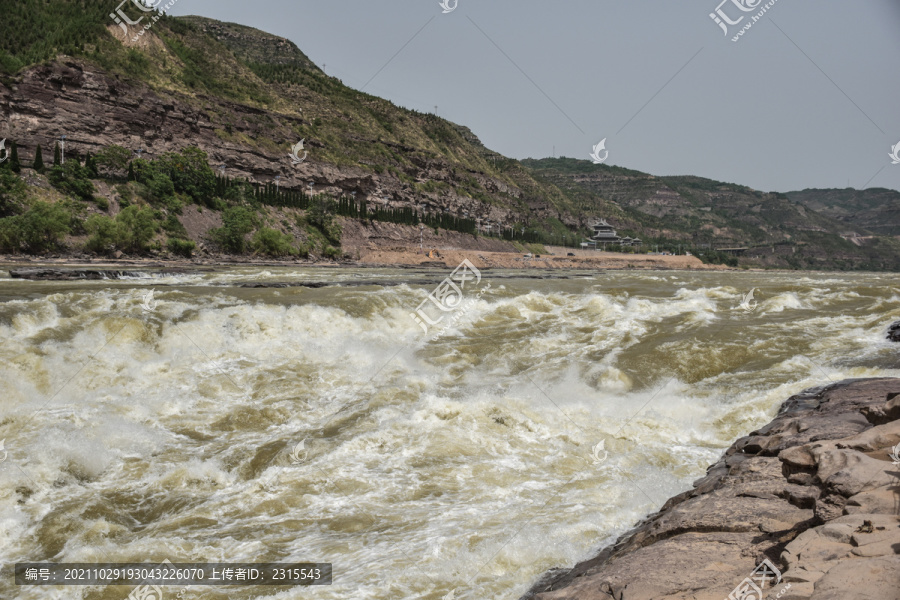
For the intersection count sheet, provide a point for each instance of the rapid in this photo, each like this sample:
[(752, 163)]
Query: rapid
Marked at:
[(208, 422)]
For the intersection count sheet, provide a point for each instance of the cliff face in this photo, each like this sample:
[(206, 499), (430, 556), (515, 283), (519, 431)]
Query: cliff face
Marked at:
[(815, 492), (95, 109), (246, 97)]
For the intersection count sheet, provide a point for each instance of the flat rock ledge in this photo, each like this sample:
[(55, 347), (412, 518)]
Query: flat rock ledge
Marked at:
[(815, 492), (52, 274)]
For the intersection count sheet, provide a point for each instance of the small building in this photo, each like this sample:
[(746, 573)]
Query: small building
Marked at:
[(604, 233)]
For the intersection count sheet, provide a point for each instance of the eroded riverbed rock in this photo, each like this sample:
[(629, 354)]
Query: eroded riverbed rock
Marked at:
[(43, 274), (64, 274), (815, 492), (894, 332)]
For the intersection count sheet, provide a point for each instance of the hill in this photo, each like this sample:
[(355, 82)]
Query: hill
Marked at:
[(873, 211), (242, 98), (797, 230)]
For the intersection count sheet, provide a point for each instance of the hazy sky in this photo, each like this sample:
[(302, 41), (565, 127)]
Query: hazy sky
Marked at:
[(808, 96)]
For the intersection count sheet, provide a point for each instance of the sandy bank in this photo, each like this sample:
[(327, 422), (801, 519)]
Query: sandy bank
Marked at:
[(559, 259), (392, 257)]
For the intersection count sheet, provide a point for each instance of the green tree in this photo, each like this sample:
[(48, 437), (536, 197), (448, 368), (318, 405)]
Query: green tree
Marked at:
[(39, 160), (56, 155), (43, 227), (137, 226), (115, 159), (12, 193), (319, 216), (237, 222), (241, 192), (131, 230), (180, 247), (273, 243), (160, 187), (190, 173), (14, 163), (90, 163), (104, 234), (72, 178)]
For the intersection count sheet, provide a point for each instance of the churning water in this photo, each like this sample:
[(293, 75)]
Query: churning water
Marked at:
[(140, 429)]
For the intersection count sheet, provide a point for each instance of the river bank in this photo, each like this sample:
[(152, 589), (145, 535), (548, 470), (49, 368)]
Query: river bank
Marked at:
[(396, 257), (815, 492)]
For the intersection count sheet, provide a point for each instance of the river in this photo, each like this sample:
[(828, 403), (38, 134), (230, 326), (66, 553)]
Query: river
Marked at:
[(207, 422)]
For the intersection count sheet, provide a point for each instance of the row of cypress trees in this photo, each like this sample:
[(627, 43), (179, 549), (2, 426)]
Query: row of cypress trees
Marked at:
[(15, 164), (272, 195)]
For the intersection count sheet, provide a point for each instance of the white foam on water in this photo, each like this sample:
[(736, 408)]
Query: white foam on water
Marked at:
[(469, 461)]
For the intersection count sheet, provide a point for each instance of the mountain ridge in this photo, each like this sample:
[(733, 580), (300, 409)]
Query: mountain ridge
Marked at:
[(245, 97)]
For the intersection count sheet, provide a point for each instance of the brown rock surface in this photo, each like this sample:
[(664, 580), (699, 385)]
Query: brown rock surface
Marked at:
[(95, 109), (814, 492)]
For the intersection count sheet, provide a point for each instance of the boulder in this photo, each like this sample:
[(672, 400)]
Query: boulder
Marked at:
[(893, 332)]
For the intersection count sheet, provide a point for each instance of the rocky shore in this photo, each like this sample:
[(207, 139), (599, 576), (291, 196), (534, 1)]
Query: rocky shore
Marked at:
[(816, 493)]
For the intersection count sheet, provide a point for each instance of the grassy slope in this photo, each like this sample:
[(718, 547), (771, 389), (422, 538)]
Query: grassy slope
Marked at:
[(702, 211), (352, 127), (205, 58), (875, 210)]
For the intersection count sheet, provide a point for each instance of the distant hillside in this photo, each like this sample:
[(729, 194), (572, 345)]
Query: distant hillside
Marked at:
[(874, 210), (772, 229)]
